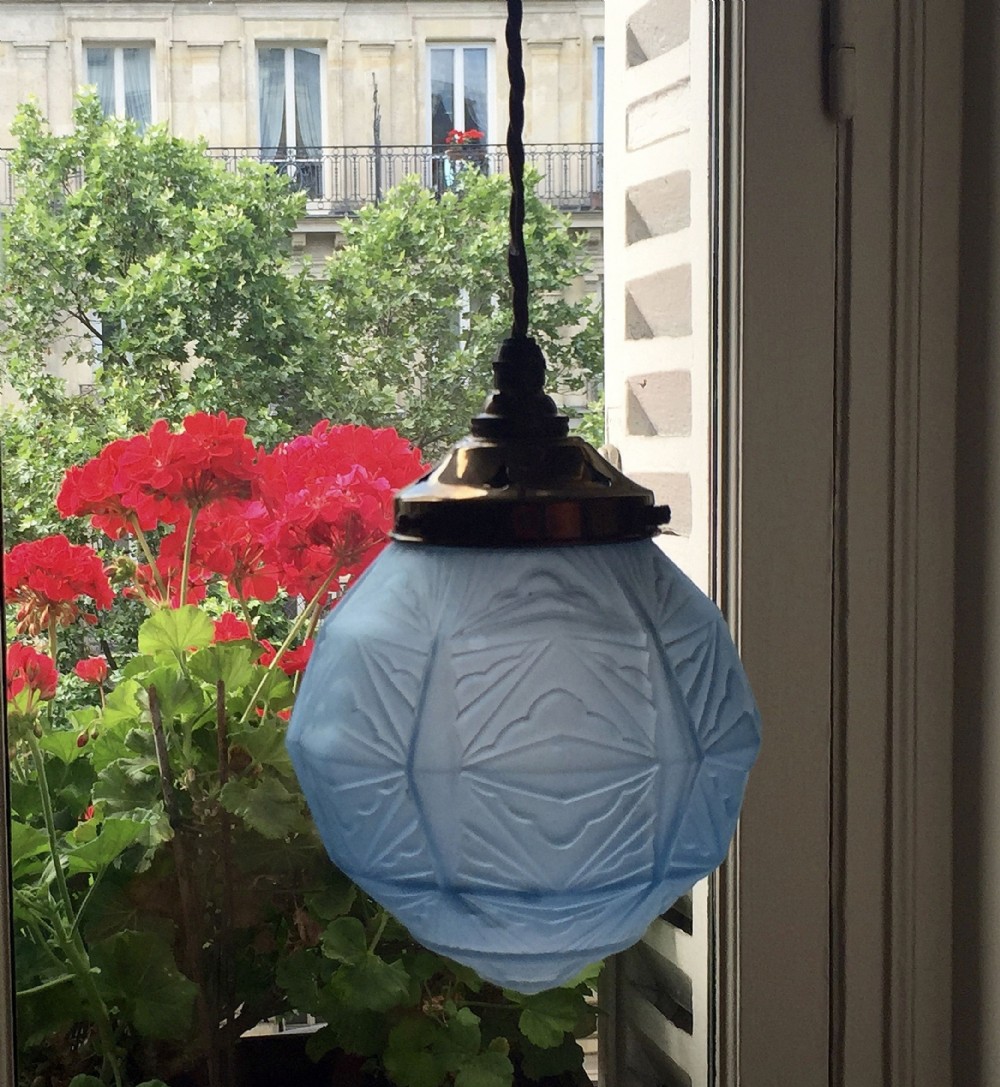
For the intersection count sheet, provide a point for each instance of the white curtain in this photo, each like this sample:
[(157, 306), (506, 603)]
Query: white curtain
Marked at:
[(101, 72), (271, 93), (138, 92), (308, 112), (476, 75)]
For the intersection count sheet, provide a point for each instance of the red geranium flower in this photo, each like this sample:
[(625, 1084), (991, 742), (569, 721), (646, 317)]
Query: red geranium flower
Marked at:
[(227, 544), (48, 578), (91, 489), (292, 660), (92, 669), (230, 628), (31, 677), (324, 501), (209, 459)]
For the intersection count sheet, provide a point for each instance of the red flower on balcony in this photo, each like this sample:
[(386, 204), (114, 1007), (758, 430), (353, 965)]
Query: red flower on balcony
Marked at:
[(90, 489), (324, 502), (228, 545), (458, 136), (48, 580), (211, 458), (92, 669), (230, 628), (31, 678), (292, 661)]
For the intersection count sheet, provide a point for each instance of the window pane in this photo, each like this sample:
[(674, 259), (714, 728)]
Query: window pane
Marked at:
[(271, 94), (476, 91), (101, 72), (442, 93), (599, 93), (138, 93), (308, 114)]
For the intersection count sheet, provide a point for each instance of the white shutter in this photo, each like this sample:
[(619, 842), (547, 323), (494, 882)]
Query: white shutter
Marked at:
[(657, 243)]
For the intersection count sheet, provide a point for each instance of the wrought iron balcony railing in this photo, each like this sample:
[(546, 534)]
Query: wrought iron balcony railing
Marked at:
[(339, 181)]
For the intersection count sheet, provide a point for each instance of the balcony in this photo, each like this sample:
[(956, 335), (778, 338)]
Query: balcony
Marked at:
[(338, 181)]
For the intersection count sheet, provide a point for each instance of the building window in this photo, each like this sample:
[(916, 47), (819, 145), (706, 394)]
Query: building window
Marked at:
[(291, 113), (122, 75), (597, 160), (461, 85)]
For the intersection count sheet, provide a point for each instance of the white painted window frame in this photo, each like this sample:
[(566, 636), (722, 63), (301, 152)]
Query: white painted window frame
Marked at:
[(289, 50), (118, 66), (291, 149), (458, 47)]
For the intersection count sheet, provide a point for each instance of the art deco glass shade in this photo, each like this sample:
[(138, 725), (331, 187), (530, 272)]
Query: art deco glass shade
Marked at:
[(526, 755)]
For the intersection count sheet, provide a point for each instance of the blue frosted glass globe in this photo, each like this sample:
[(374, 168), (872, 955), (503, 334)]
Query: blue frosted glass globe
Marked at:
[(525, 755)]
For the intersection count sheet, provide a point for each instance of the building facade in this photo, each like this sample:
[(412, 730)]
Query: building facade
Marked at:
[(344, 98)]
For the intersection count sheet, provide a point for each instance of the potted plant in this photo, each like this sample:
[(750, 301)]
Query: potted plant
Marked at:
[(170, 891)]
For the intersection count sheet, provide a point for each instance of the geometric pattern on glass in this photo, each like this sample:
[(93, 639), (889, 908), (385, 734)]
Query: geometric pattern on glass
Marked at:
[(525, 755)]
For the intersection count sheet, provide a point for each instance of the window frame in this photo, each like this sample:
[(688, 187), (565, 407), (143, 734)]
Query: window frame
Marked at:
[(457, 47), (290, 105), (118, 47), (285, 155)]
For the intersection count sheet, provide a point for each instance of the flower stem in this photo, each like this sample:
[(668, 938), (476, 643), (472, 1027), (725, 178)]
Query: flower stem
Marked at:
[(144, 544), (80, 963), (53, 640), (186, 566), (50, 825), (308, 613), (72, 944)]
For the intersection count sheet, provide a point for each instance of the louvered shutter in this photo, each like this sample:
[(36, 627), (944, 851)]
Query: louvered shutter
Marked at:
[(656, 996)]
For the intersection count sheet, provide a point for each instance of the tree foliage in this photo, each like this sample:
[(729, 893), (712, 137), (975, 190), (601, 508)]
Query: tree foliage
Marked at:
[(170, 278), (417, 302)]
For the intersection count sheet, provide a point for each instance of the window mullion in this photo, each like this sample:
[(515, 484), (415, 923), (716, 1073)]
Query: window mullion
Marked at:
[(291, 150), (118, 63)]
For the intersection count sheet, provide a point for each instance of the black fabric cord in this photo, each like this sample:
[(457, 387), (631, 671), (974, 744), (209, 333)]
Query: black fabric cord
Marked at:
[(517, 258)]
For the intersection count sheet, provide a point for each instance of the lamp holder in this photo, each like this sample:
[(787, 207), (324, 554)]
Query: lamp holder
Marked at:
[(519, 480)]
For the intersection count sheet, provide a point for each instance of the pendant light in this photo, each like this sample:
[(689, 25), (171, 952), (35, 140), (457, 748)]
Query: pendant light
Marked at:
[(524, 731)]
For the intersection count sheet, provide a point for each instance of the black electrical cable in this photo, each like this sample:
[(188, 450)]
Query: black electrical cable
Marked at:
[(517, 258)]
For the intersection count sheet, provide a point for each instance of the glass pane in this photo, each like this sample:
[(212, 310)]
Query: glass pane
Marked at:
[(138, 92), (442, 94), (308, 113), (476, 91), (599, 93), (101, 72), (271, 100)]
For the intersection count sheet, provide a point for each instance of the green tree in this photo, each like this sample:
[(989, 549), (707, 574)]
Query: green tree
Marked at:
[(136, 253), (171, 278), (417, 302)]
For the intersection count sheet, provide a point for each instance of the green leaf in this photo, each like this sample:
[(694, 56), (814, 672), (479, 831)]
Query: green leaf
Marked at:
[(488, 1069), (372, 983), (548, 1016), (334, 900), (139, 974), (86, 1081), (175, 631), (266, 744), (177, 695), (62, 744), (232, 662), (115, 837), (26, 842), (344, 940), (43, 1012), (266, 806), (298, 974)]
